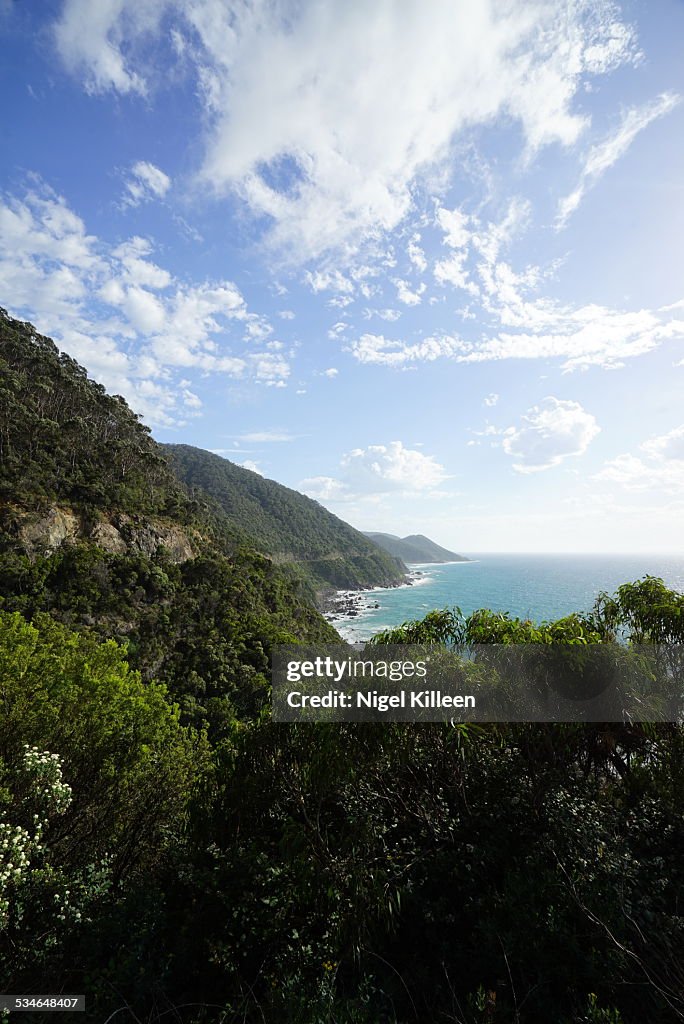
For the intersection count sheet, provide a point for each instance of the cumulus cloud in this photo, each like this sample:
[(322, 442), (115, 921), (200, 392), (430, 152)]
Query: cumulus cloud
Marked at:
[(416, 254), (137, 268), (453, 271), (145, 182), (666, 447), (378, 469), (589, 336), (659, 466), (534, 327), (329, 280), (603, 155), (326, 489), (375, 348), (491, 399), (548, 434), (454, 224), (251, 465), (128, 320), (93, 40), (190, 399), (386, 314), (392, 467), (302, 103), (408, 295)]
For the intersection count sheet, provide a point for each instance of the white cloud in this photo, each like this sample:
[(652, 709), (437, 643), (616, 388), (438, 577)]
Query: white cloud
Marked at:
[(120, 314), (392, 467), (548, 434), (330, 372), (144, 311), (491, 399), (261, 436), (378, 469), (257, 328), (270, 369), (145, 182), (667, 446), (325, 488), (407, 295), (321, 118), (43, 227), (603, 155), (416, 254), (468, 239), (453, 271), (328, 280), (138, 270), (589, 336), (253, 466), (337, 330), (190, 399), (92, 40), (374, 348), (454, 224), (659, 467)]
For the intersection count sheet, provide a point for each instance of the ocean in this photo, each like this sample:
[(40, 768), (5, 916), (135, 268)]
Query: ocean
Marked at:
[(537, 587)]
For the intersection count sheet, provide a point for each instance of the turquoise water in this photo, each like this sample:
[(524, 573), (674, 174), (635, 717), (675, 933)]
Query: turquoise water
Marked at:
[(531, 586)]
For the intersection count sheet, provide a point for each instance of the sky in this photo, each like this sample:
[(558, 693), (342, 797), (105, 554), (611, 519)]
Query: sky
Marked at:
[(421, 261)]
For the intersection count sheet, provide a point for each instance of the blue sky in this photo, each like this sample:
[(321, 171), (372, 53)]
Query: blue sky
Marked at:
[(420, 261)]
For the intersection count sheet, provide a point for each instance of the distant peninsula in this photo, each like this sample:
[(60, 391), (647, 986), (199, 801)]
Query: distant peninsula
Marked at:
[(415, 548)]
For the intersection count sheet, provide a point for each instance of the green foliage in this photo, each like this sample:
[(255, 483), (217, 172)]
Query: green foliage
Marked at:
[(451, 627), (96, 774), (204, 628), (438, 627), (125, 754), (62, 437), (33, 794), (417, 865), (646, 611), (285, 523), (341, 872), (415, 548)]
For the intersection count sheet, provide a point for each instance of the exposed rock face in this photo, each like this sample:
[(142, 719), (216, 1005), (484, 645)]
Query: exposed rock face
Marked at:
[(148, 536), (45, 533), (106, 536)]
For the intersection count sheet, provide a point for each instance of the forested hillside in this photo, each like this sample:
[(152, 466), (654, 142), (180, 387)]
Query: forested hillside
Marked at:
[(286, 523), (64, 439), (414, 548), (97, 531)]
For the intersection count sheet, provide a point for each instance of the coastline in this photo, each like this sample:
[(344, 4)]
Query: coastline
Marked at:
[(346, 605), (345, 609)]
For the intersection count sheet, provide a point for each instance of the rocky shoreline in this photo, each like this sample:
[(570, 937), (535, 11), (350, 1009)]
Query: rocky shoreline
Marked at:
[(349, 604)]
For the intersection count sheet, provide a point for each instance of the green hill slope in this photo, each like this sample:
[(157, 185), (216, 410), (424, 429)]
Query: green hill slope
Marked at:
[(414, 548), (286, 524), (97, 531)]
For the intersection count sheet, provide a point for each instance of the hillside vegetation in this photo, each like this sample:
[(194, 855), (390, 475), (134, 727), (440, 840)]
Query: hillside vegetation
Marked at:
[(414, 548), (98, 532), (287, 524), (64, 439)]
